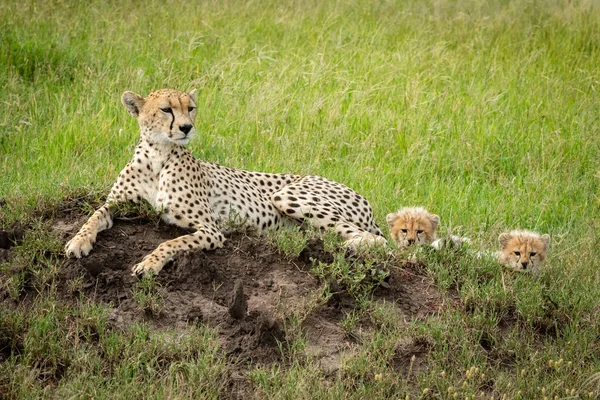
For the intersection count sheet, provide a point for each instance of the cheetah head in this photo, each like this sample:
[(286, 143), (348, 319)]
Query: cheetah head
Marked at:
[(165, 116), (412, 225), (523, 250)]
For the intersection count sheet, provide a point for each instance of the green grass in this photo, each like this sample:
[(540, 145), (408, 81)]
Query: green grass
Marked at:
[(65, 352), (486, 113)]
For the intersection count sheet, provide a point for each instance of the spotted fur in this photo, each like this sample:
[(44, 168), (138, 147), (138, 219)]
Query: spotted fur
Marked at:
[(201, 196)]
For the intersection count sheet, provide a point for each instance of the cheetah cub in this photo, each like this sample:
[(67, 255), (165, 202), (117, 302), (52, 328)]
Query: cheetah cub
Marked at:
[(523, 250), (202, 196), (412, 225), (415, 225)]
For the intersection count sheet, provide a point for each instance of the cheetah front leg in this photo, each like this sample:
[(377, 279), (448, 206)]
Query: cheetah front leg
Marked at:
[(82, 242), (207, 237)]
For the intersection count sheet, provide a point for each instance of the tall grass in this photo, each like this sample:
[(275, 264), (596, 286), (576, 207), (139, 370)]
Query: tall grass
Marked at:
[(450, 105), (484, 112)]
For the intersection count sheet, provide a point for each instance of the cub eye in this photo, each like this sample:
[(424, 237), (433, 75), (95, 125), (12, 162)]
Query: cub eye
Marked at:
[(190, 109), (533, 253), (517, 253), (167, 110), (404, 230), (419, 231)]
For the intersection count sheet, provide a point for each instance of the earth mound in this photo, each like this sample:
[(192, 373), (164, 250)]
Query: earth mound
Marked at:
[(200, 287)]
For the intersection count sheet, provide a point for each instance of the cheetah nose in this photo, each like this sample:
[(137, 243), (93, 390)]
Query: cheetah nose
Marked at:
[(524, 264), (411, 241), (185, 128)]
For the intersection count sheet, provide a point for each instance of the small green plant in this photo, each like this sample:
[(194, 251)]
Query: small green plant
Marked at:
[(12, 281), (39, 252), (350, 321), (290, 242), (235, 222), (140, 210), (358, 277), (147, 294), (44, 276), (332, 242), (40, 245), (75, 285)]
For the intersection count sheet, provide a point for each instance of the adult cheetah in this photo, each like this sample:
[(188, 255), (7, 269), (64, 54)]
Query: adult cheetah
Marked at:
[(200, 196)]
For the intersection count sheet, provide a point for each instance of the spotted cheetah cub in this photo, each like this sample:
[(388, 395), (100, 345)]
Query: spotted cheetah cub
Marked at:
[(202, 196), (412, 225), (523, 250)]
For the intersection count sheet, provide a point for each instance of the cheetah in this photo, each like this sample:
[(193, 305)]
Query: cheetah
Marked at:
[(412, 225), (201, 196), (523, 250), (415, 225)]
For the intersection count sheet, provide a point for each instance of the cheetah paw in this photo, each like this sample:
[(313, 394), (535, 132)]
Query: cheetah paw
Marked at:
[(451, 241), (79, 246), (362, 241), (149, 265)]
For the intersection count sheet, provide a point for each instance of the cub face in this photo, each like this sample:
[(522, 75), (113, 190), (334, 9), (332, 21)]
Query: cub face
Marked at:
[(412, 225), (523, 250), (165, 116)]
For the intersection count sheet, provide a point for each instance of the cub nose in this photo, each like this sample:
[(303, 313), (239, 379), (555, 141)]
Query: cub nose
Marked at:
[(185, 128), (524, 264), (411, 241)]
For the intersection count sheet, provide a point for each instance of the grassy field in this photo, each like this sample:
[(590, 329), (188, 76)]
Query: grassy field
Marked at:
[(486, 113)]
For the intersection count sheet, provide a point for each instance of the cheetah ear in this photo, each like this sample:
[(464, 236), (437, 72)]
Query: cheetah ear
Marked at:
[(192, 94), (504, 238), (435, 220), (546, 240), (133, 103), (391, 218)]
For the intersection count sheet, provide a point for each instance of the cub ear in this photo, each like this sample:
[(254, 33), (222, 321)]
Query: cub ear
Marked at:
[(192, 94), (391, 218), (546, 239), (504, 238), (435, 220), (133, 103)]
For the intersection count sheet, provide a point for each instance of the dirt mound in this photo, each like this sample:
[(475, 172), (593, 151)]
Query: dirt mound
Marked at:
[(198, 288)]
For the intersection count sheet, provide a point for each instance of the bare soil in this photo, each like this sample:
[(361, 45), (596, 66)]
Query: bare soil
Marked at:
[(198, 288)]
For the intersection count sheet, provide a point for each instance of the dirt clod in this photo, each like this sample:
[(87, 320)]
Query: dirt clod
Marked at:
[(238, 306)]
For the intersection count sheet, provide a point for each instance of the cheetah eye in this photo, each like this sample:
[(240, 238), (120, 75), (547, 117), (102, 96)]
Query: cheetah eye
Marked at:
[(166, 110), (190, 109), (517, 253), (533, 253), (404, 230), (420, 231)]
